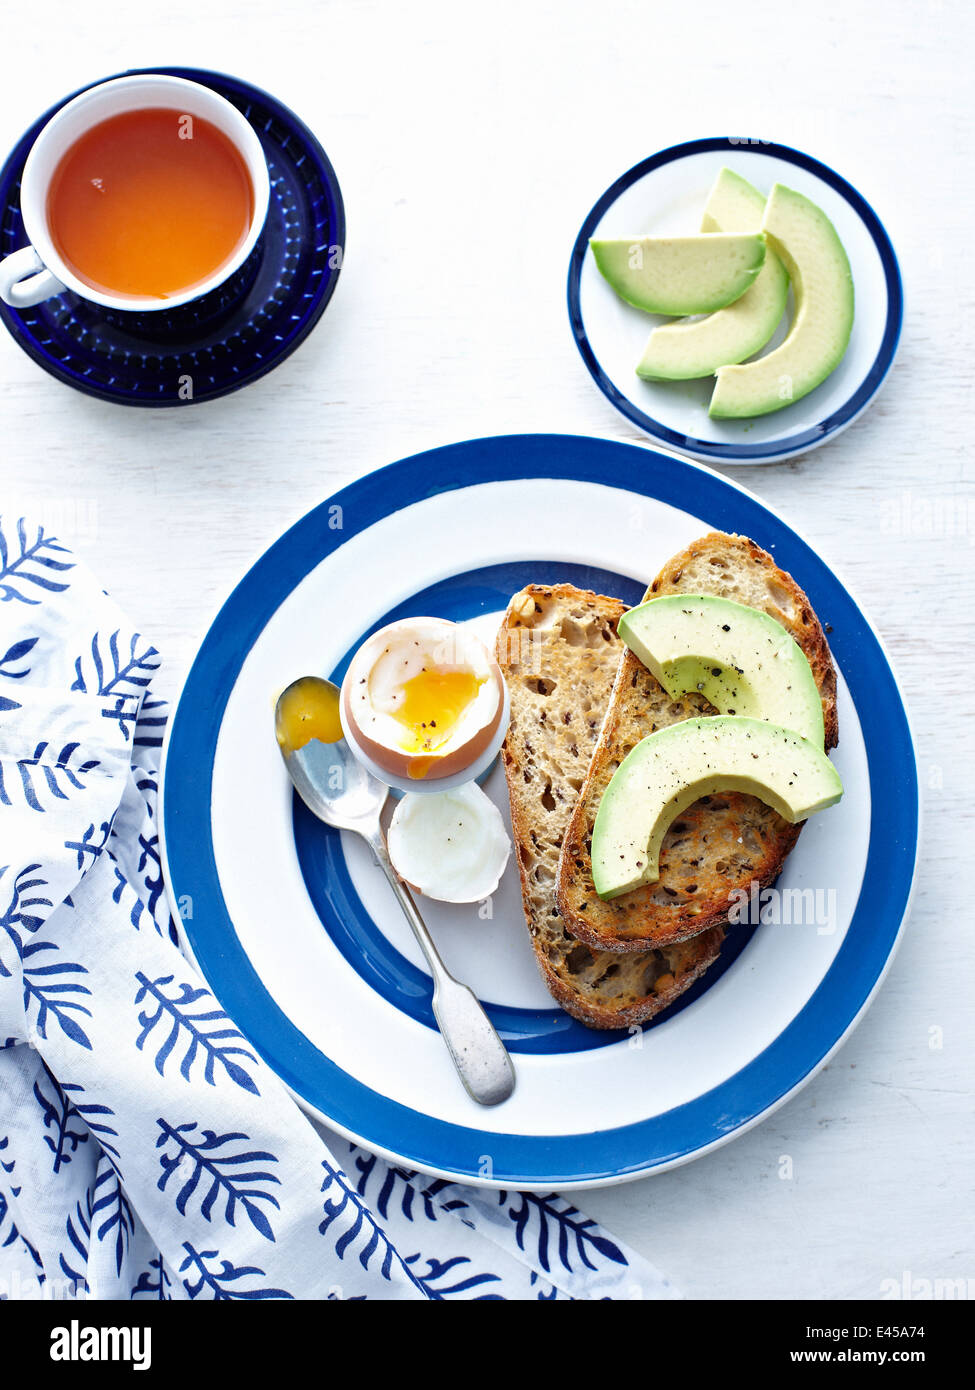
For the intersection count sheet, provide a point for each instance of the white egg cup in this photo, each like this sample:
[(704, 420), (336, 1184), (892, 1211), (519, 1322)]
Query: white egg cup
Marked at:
[(476, 769)]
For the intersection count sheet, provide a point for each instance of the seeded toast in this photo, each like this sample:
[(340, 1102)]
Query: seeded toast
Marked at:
[(721, 843), (559, 652)]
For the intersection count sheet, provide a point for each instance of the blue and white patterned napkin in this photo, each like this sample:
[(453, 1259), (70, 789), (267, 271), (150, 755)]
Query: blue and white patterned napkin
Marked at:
[(145, 1151)]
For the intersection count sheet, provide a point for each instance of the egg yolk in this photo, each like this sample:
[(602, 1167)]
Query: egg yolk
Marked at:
[(308, 710), (432, 705)]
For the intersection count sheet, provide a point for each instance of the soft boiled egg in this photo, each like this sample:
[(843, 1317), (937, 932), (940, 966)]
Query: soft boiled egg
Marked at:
[(452, 846), (423, 698)]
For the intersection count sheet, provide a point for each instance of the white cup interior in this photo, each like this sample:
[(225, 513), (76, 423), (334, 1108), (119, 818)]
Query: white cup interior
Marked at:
[(114, 99)]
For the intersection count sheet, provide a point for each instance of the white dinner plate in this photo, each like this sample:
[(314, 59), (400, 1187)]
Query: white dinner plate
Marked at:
[(301, 940)]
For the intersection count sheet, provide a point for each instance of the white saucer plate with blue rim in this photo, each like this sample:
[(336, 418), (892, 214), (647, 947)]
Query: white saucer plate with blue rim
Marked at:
[(665, 195), (298, 935)]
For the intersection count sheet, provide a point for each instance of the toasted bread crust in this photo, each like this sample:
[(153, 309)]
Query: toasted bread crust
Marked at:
[(559, 651), (721, 844)]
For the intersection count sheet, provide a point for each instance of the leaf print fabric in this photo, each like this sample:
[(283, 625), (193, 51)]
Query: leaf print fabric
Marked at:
[(145, 1150)]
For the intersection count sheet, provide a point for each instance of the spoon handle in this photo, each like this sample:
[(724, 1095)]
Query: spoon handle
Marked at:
[(479, 1055)]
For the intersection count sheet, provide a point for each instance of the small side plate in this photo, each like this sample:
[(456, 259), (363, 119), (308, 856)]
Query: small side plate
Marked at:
[(665, 195)]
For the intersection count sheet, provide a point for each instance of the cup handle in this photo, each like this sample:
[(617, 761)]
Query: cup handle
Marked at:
[(25, 280)]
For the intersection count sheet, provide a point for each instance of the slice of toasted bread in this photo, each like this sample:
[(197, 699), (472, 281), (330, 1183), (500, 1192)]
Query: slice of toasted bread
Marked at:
[(722, 843), (559, 652)]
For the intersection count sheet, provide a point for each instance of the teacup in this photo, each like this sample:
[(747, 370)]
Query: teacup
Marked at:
[(39, 270)]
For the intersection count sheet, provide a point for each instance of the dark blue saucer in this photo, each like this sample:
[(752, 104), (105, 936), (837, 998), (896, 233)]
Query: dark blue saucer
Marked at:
[(230, 337)]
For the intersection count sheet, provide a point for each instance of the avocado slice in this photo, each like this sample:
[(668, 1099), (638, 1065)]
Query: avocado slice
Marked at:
[(683, 274), (740, 659), (669, 770), (803, 237), (679, 351)]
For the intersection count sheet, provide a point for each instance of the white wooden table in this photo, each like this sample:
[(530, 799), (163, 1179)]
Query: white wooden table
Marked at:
[(470, 142)]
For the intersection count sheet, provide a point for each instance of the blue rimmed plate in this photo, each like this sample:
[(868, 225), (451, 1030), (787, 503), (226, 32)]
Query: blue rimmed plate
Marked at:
[(665, 195), (231, 336), (300, 939)]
